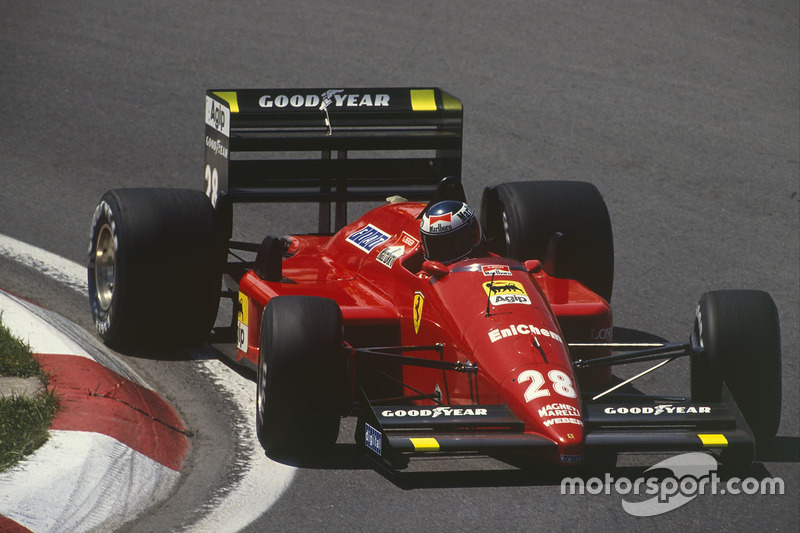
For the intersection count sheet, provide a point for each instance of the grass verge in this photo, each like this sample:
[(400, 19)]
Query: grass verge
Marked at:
[(24, 421)]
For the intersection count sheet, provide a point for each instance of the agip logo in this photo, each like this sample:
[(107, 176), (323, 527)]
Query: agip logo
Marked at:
[(243, 321), (506, 292), (218, 117)]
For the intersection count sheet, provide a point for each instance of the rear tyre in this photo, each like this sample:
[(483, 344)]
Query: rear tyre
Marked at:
[(154, 267), (302, 369), (521, 219), (737, 341)]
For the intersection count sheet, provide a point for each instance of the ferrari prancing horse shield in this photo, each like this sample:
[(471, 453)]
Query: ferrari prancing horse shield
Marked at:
[(418, 301)]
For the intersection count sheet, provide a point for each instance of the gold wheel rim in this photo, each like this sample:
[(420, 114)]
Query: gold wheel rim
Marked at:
[(104, 270)]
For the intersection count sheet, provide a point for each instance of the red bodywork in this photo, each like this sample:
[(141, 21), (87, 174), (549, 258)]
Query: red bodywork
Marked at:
[(388, 298)]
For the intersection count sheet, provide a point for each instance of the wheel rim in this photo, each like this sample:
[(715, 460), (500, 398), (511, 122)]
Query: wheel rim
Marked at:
[(104, 270)]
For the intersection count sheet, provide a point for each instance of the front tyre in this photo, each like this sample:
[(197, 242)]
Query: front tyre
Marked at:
[(302, 377), (737, 341), (154, 267)]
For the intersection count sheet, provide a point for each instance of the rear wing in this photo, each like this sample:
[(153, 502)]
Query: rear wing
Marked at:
[(329, 146)]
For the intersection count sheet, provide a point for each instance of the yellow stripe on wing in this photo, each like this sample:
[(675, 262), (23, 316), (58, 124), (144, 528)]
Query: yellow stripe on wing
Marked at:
[(230, 97), (713, 440), (425, 445), (423, 100)]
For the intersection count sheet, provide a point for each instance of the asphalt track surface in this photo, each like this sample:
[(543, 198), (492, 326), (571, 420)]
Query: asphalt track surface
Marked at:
[(684, 114)]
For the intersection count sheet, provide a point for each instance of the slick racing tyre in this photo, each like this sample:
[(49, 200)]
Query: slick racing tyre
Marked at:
[(522, 218), (155, 267), (736, 340), (302, 377)]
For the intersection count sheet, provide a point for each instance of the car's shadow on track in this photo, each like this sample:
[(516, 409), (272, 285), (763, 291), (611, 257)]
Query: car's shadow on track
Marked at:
[(782, 450), (542, 475), (443, 472)]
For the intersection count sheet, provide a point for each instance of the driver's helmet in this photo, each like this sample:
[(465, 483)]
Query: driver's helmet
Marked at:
[(449, 232)]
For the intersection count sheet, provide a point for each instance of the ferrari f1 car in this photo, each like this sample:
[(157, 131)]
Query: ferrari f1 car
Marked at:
[(507, 349)]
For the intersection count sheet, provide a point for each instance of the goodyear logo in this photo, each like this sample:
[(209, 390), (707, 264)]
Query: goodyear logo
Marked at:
[(506, 292), (331, 98)]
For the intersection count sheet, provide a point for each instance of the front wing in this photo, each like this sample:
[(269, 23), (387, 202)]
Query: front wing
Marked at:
[(630, 423)]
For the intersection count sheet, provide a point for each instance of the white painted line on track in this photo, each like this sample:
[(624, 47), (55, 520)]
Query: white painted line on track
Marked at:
[(262, 480), (56, 267)]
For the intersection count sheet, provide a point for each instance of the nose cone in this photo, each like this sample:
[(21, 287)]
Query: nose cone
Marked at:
[(547, 399)]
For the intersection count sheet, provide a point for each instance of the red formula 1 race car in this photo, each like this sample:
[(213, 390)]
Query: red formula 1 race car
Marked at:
[(439, 334)]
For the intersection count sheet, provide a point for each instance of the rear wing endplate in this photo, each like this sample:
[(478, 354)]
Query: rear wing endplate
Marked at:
[(329, 146)]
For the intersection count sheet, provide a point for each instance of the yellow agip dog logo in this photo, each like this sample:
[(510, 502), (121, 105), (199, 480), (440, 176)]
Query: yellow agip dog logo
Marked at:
[(506, 292)]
